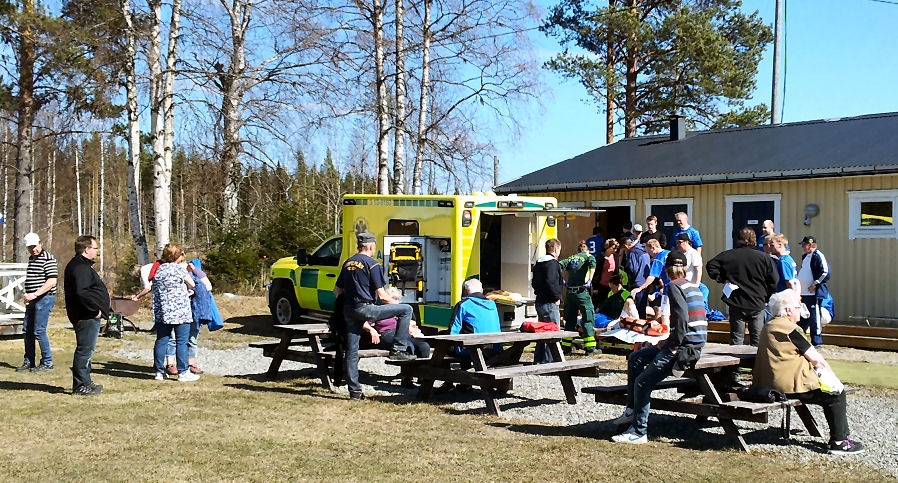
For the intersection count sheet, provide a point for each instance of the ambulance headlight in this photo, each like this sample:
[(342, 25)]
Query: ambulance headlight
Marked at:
[(466, 218), (550, 220)]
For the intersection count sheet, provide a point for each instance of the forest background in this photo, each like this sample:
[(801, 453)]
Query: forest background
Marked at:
[(149, 122)]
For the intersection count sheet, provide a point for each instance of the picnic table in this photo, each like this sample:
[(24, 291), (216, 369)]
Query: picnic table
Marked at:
[(705, 396), (313, 335), (494, 372)]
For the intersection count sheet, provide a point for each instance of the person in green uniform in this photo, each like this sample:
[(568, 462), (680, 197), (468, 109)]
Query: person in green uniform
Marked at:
[(580, 268)]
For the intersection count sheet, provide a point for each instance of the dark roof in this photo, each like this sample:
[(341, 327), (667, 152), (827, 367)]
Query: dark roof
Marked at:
[(811, 149)]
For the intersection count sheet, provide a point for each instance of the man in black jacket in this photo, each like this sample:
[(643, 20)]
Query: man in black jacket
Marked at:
[(548, 285), (749, 279), (86, 302)]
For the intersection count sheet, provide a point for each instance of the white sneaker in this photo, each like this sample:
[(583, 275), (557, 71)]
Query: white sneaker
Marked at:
[(160, 376), (630, 436), (188, 376), (625, 418)]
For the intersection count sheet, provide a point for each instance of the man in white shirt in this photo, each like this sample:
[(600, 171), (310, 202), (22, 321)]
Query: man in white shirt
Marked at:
[(693, 259)]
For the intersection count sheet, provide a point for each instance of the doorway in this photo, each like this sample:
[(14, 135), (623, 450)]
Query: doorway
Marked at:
[(751, 211), (665, 210)]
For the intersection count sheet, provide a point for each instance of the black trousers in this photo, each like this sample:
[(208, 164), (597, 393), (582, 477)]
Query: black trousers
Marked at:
[(834, 410), (86, 332)]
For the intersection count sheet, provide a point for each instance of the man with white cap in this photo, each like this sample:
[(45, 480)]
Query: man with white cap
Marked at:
[(40, 297)]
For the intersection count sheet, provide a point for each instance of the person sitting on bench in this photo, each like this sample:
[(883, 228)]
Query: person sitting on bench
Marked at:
[(649, 366), (473, 314), (786, 362), (381, 333)]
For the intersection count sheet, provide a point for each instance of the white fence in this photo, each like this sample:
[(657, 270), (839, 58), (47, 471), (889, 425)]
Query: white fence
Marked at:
[(12, 286)]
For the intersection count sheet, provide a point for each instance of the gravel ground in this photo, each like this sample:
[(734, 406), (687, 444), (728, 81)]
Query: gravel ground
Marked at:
[(537, 404)]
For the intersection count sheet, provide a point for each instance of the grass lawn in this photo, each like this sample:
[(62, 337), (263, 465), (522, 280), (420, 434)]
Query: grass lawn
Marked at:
[(865, 373), (245, 428)]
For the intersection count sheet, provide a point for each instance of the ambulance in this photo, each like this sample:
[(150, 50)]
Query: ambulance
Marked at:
[(428, 245)]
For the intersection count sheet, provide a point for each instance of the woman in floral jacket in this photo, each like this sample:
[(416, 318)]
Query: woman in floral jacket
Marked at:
[(171, 311)]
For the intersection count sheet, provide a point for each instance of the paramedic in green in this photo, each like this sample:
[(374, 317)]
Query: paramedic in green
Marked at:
[(580, 268)]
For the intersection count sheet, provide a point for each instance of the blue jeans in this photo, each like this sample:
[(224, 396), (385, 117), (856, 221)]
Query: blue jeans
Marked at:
[(37, 314), (170, 351), (163, 335), (546, 313), (355, 316), (86, 332), (645, 369)]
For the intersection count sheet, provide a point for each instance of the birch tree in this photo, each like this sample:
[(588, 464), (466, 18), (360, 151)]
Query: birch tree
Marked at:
[(399, 116), (133, 136), (162, 115)]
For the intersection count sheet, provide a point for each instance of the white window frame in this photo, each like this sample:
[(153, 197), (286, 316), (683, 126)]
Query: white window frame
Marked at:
[(606, 203), (730, 199), (855, 230), (650, 202)]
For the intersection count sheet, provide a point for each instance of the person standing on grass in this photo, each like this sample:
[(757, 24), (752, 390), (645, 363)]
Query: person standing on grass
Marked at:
[(171, 311), (40, 297), (649, 366), (580, 267), (548, 286), (787, 362), (86, 302), (362, 282)]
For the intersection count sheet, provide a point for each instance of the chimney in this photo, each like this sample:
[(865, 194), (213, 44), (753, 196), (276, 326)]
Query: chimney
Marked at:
[(677, 127)]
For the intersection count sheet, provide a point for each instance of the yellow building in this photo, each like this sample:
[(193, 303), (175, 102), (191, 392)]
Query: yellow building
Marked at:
[(834, 179)]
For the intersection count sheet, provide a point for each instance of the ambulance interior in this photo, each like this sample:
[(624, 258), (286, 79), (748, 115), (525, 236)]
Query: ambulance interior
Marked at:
[(507, 252)]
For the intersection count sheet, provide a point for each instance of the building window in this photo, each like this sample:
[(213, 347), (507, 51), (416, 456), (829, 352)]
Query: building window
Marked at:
[(872, 214)]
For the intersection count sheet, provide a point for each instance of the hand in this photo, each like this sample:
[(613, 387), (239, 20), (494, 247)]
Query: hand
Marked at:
[(30, 296), (135, 297), (99, 314), (812, 288), (635, 291), (375, 337)]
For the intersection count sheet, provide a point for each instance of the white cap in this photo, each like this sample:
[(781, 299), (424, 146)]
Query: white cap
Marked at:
[(637, 227), (32, 239)]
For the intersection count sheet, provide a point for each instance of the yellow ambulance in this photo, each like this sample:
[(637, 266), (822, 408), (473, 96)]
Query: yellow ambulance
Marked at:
[(428, 245)]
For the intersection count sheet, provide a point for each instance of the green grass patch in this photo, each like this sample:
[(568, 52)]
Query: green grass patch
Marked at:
[(866, 373), (249, 429)]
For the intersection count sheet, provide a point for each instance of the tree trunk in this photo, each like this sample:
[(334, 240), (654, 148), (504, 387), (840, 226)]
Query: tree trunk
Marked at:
[(383, 174), (233, 88), (52, 215), (631, 77), (417, 171), (102, 206), (79, 228), (399, 117), (4, 172), (134, 215), (25, 120), (610, 87)]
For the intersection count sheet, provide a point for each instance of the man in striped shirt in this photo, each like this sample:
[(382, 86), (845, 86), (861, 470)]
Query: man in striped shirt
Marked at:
[(40, 297)]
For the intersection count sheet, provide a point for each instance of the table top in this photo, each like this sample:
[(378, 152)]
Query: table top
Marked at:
[(499, 337), (304, 328), (724, 356)]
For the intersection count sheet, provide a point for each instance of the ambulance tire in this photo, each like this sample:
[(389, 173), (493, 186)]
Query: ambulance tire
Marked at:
[(283, 305)]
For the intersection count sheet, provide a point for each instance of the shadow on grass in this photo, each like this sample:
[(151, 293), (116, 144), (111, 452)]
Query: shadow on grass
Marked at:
[(681, 431), (30, 386), (7, 365), (125, 370), (253, 325), (293, 391)]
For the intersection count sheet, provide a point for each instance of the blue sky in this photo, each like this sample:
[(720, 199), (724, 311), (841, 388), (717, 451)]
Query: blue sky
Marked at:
[(841, 60)]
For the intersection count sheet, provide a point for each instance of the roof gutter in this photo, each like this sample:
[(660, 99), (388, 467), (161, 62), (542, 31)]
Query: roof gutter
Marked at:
[(701, 179)]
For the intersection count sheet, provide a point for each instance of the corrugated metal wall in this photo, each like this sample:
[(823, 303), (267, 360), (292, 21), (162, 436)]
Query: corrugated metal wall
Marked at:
[(865, 271)]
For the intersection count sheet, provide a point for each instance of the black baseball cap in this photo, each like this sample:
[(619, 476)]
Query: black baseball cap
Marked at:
[(808, 240), (675, 259), (683, 237)]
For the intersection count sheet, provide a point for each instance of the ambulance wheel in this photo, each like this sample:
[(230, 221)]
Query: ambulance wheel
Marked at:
[(283, 305)]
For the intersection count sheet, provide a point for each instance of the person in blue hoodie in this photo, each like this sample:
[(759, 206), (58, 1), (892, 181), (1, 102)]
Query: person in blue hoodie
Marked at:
[(474, 313)]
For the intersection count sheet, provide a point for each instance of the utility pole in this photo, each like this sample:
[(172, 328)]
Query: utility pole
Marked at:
[(495, 171), (775, 114)]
